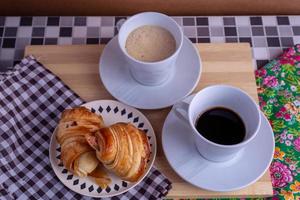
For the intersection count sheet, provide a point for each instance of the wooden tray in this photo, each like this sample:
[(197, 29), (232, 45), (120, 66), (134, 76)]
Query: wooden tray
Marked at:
[(77, 66)]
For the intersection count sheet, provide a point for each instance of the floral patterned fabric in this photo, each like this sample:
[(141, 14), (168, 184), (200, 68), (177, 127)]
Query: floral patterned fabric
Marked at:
[(279, 97)]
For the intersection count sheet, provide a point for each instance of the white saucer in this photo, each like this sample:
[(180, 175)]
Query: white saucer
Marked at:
[(246, 168), (117, 80)]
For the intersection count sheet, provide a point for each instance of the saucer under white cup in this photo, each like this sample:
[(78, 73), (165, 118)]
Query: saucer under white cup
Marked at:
[(244, 169), (117, 79)]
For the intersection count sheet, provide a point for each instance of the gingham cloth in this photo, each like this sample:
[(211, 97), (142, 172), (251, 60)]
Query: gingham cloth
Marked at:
[(31, 100)]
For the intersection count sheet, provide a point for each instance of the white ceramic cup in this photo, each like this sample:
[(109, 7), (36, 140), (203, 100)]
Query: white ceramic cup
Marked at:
[(150, 73), (220, 96)]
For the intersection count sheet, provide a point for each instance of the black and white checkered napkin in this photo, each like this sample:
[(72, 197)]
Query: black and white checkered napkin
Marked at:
[(31, 100)]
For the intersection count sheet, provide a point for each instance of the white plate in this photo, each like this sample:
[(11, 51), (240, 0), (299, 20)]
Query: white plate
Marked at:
[(246, 168), (112, 112), (117, 80)]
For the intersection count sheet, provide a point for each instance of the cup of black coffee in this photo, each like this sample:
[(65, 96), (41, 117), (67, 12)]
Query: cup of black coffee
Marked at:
[(223, 120), (213, 123)]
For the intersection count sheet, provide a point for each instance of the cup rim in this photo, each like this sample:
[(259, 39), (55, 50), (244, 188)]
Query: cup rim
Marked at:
[(244, 142), (160, 61)]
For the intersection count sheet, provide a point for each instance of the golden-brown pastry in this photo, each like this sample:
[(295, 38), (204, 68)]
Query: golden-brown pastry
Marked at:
[(86, 163), (76, 154), (100, 176), (123, 149), (77, 121)]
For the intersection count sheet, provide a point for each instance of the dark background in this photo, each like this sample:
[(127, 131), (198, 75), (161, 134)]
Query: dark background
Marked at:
[(129, 7)]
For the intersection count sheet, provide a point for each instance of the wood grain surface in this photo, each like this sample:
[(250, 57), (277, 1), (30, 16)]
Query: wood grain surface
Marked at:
[(77, 66)]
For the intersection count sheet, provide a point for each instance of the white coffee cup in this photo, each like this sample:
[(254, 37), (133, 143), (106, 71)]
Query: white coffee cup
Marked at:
[(220, 96), (150, 73)]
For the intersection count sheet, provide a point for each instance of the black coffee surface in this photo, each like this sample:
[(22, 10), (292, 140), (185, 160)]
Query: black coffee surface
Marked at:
[(221, 125)]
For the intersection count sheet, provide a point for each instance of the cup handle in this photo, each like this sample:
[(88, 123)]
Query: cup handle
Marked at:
[(181, 111), (120, 23)]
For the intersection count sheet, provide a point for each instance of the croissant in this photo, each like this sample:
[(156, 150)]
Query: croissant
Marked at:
[(122, 149), (76, 154), (100, 176)]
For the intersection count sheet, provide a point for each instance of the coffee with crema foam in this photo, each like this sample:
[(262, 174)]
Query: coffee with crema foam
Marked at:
[(150, 43)]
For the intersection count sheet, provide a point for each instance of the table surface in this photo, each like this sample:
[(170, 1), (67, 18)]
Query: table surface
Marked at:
[(77, 66), (267, 35)]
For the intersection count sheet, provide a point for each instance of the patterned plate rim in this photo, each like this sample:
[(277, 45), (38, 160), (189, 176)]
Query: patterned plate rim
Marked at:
[(150, 165)]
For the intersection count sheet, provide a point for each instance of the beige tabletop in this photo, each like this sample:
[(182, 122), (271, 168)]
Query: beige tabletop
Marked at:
[(77, 66)]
